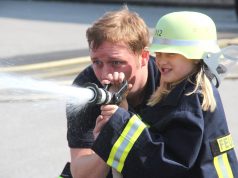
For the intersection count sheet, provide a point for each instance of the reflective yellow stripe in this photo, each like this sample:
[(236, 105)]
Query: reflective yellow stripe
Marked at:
[(227, 164), (216, 162), (118, 143), (125, 142), (222, 166), (129, 146)]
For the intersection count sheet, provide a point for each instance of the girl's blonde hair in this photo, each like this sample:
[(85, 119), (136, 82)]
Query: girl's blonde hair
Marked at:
[(202, 83)]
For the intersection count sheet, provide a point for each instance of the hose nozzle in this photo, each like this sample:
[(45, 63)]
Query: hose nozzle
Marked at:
[(103, 96)]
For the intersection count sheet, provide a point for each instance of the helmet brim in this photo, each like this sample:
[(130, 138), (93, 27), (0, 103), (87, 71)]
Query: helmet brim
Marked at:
[(190, 52)]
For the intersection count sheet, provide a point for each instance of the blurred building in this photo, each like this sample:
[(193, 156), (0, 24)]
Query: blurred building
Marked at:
[(199, 3), (205, 3)]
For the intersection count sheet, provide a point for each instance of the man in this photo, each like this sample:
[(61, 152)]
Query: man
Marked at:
[(117, 43)]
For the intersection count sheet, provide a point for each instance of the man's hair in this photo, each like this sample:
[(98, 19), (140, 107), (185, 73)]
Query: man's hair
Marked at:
[(119, 26)]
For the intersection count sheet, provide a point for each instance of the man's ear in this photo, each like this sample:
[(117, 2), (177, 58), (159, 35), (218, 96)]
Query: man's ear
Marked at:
[(145, 57)]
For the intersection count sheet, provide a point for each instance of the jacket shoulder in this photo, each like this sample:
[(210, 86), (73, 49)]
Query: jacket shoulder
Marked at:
[(87, 75)]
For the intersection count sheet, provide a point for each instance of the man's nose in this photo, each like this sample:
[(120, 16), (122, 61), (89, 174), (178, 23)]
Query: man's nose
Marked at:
[(106, 70)]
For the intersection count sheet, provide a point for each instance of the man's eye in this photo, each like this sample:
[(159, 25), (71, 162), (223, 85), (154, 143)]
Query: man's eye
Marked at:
[(116, 63), (97, 62)]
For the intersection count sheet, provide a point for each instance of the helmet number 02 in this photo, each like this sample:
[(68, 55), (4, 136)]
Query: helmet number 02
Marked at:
[(158, 32)]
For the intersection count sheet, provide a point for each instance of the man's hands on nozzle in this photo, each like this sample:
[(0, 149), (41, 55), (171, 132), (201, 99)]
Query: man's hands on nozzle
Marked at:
[(115, 80)]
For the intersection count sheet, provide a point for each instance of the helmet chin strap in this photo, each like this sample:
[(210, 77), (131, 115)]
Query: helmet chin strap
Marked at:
[(211, 76)]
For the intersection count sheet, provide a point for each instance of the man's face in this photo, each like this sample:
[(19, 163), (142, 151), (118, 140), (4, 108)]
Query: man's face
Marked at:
[(114, 57)]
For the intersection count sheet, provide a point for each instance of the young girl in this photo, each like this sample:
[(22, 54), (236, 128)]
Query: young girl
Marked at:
[(183, 132)]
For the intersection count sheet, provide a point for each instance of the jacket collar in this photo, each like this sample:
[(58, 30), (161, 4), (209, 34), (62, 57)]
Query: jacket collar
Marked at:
[(178, 91)]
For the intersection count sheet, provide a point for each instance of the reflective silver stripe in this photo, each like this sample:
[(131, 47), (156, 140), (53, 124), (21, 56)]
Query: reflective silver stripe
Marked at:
[(165, 41), (125, 142), (223, 167)]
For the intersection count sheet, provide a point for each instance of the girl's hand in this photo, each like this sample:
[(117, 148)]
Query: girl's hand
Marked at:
[(115, 79), (106, 112), (100, 122)]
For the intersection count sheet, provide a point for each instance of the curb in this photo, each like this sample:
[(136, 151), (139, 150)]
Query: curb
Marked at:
[(225, 42), (46, 65)]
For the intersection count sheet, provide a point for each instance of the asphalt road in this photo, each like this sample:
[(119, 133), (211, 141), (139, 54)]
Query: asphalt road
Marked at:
[(33, 142), (34, 31)]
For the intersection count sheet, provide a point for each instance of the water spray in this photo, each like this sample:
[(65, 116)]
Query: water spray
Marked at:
[(103, 96)]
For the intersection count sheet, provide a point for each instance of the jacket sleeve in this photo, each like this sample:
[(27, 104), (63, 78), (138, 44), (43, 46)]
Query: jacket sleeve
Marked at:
[(164, 150)]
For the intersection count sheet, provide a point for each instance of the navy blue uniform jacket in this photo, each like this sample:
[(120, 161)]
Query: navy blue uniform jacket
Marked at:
[(173, 139)]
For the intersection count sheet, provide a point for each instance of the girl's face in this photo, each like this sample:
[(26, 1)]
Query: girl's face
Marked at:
[(174, 67)]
